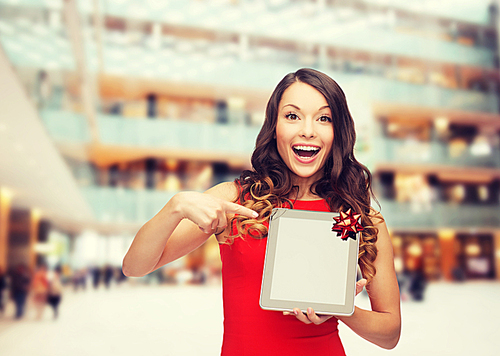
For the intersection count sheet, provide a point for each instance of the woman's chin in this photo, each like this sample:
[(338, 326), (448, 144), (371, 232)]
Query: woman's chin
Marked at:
[(314, 174)]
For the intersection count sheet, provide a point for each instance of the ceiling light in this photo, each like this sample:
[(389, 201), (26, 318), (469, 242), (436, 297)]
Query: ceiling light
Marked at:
[(483, 192), (393, 127), (473, 249), (446, 234), (415, 249), (480, 146), (36, 213), (6, 194), (441, 124)]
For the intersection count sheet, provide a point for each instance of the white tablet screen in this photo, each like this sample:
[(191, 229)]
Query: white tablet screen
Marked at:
[(297, 276)]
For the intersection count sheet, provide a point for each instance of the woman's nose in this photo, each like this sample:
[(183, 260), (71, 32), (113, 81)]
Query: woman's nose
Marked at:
[(307, 129)]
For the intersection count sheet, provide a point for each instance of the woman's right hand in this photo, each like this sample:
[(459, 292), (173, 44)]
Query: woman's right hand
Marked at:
[(207, 211), (181, 226)]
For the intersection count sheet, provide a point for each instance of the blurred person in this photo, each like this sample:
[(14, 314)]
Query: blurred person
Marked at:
[(19, 287), (3, 286), (458, 274), (417, 284), (303, 159), (66, 274), (80, 279), (402, 277), (40, 289), (108, 275), (199, 275), (55, 291), (169, 275), (96, 276), (43, 89)]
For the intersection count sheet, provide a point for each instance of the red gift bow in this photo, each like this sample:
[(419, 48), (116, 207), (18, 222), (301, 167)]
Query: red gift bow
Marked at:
[(347, 225)]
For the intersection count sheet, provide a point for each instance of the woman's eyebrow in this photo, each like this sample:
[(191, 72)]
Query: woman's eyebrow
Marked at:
[(296, 107), (293, 106)]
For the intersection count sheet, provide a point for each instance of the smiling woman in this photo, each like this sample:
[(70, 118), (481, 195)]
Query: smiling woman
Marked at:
[(304, 131), (303, 159)]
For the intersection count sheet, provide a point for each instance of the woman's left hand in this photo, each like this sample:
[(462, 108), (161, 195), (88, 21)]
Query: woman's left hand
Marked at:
[(312, 318)]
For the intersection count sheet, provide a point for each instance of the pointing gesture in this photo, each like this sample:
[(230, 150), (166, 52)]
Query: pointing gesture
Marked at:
[(207, 211)]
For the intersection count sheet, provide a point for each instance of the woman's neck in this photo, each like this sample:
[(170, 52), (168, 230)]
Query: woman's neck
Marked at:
[(302, 189)]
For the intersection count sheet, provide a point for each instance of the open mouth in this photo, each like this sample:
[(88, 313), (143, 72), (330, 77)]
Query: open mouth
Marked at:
[(306, 152)]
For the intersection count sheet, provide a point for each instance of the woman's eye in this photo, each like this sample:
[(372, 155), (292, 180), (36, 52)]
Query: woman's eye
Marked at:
[(325, 119), (291, 116)]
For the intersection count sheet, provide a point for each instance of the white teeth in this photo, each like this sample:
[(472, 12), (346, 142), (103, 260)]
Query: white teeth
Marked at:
[(306, 148)]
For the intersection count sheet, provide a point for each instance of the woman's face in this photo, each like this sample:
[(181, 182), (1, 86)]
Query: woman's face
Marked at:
[(304, 130)]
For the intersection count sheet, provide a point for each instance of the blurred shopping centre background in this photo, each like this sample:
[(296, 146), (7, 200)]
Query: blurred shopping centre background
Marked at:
[(110, 107)]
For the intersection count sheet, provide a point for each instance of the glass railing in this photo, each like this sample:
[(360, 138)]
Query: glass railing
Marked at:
[(328, 26), (372, 88), (470, 11), (237, 139), (66, 125), (173, 134), (439, 215), (431, 152), (264, 74), (119, 205), (161, 133)]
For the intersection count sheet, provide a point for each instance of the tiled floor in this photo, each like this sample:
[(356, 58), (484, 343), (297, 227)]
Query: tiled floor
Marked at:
[(454, 319)]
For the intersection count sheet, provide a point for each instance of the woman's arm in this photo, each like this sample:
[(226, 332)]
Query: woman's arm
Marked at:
[(182, 225), (382, 324)]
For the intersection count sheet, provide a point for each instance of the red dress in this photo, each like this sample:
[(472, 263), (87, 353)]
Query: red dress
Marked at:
[(250, 330)]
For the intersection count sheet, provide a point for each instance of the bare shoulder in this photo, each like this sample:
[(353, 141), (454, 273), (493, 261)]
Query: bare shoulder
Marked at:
[(226, 190), (376, 217), (383, 236)]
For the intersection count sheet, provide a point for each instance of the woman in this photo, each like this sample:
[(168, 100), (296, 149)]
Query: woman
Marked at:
[(303, 159), (40, 287), (55, 291)]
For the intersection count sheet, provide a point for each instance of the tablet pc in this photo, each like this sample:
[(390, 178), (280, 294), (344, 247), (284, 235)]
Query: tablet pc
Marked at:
[(309, 265)]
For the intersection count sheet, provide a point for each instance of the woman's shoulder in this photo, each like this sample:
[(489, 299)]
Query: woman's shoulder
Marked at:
[(376, 216), (227, 190)]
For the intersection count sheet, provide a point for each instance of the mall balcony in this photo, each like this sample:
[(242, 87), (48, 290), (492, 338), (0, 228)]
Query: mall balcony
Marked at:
[(479, 154), (401, 66), (376, 27), (438, 215)]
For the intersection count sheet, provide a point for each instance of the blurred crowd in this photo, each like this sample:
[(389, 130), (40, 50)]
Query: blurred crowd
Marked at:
[(43, 288), (40, 288), (37, 289)]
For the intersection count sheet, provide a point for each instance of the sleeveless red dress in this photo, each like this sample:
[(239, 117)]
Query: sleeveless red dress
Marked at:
[(250, 330)]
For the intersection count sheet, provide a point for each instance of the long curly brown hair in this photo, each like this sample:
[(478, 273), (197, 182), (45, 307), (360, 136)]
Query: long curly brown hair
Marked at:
[(345, 183)]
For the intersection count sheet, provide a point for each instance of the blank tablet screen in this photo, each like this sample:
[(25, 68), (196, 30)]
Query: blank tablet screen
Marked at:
[(307, 264), (312, 259)]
